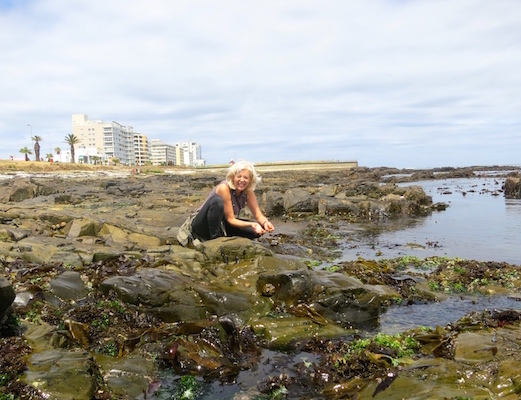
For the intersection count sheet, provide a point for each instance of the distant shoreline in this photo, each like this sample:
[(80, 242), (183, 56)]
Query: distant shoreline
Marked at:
[(8, 166), (48, 167)]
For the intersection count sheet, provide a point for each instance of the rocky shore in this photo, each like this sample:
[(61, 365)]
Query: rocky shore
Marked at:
[(98, 299)]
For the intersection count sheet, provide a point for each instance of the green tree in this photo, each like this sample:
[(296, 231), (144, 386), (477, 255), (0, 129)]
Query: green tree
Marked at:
[(26, 151), (71, 139), (37, 139), (49, 156)]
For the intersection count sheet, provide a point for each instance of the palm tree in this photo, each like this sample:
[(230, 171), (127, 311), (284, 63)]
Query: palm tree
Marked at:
[(26, 151), (71, 139), (37, 139), (49, 156)]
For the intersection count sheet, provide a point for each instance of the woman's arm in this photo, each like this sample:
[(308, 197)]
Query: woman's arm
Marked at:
[(253, 205)]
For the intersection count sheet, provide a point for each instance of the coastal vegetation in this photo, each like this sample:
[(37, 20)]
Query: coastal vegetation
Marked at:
[(70, 139)]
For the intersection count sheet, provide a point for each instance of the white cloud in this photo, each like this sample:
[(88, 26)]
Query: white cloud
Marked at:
[(403, 83)]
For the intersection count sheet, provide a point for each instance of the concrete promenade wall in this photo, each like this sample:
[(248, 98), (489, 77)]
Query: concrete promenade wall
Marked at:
[(306, 165), (297, 166)]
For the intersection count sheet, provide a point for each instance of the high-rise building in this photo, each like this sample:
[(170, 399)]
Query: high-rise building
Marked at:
[(192, 154), (109, 141), (141, 149), (162, 153)]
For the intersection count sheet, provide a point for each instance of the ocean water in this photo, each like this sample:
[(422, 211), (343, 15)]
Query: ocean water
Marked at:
[(479, 224)]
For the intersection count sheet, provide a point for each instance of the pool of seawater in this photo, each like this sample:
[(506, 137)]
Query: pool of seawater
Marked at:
[(479, 224), (271, 363), (401, 318)]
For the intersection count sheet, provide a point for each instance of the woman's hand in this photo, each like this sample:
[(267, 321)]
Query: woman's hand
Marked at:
[(259, 230), (268, 226)]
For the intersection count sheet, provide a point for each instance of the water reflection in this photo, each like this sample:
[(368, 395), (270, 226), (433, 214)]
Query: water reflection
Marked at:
[(479, 224), (401, 318)]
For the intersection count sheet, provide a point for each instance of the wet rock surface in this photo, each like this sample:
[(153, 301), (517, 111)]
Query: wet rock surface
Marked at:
[(512, 186), (97, 294)]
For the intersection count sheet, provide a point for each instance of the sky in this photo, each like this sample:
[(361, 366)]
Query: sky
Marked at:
[(398, 83)]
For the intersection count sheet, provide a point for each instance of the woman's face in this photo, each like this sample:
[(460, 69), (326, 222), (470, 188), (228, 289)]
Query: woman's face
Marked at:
[(241, 181)]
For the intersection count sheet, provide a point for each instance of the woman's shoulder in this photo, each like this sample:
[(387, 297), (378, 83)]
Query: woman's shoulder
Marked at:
[(222, 188)]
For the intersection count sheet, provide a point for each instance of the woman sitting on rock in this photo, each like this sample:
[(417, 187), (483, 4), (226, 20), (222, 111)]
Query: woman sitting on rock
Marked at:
[(219, 214)]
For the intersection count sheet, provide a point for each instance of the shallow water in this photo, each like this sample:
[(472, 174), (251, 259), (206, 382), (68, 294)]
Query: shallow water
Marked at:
[(479, 224), (271, 363), (401, 318)]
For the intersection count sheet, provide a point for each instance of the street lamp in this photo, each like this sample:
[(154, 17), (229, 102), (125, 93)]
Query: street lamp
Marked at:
[(29, 125)]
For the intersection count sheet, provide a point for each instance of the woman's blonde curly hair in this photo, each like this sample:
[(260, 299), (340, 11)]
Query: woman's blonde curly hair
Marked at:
[(238, 167)]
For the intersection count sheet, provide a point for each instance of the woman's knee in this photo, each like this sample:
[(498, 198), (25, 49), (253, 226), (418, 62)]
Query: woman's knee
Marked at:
[(216, 202)]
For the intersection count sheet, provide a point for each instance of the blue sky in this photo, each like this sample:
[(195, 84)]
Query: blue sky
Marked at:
[(399, 83)]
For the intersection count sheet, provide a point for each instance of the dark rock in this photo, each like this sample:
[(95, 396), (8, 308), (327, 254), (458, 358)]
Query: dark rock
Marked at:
[(22, 190), (354, 308), (45, 190), (63, 199), (110, 255), (224, 302), (69, 286), (299, 200), (199, 184), (273, 203), (175, 312), (150, 287), (333, 206), (289, 287), (7, 296), (369, 189), (231, 250)]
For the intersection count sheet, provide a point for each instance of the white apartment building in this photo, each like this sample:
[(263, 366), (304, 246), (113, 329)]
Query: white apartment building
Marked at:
[(192, 154), (162, 153), (108, 140)]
